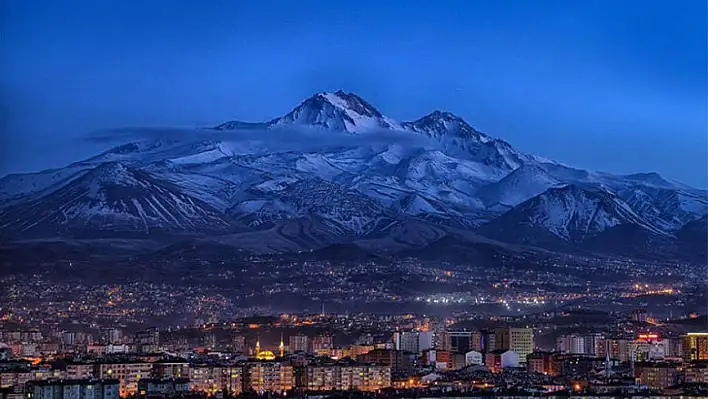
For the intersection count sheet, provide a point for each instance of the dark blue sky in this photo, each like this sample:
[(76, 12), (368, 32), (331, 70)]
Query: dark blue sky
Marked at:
[(615, 85)]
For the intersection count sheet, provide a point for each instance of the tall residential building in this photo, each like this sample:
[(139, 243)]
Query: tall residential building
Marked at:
[(68, 338), (518, 340), (168, 370), (412, 341), (406, 341), (591, 344), (696, 373), (488, 340), (521, 342), (213, 379), (150, 336), (656, 375), (674, 349), (384, 357), (73, 389), (111, 336), (238, 343), (270, 377), (476, 341), (322, 344), (164, 388), (128, 375), (573, 344), (540, 362), (501, 338), (640, 315), (19, 378), (346, 377), (426, 340), (79, 371), (298, 343), (694, 346), (619, 349), (457, 341)]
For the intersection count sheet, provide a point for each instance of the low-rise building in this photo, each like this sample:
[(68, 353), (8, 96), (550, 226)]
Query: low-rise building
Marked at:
[(501, 359), (541, 362), (474, 358)]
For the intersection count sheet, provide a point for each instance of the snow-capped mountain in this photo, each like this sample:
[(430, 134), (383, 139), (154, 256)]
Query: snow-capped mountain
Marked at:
[(113, 198), (526, 181), (337, 111), (459, 138), (569, 214), (335, 169)]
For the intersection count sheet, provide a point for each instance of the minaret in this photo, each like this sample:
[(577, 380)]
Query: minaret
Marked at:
[(282, 345), (608, 366), (258, 346)]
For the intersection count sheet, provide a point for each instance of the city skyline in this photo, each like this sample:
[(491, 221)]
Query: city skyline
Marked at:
[(353, 200)]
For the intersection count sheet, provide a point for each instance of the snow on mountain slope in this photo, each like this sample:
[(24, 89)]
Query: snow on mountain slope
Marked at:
[(112, 198), (664, 203), (144, 152), (439, 125), (654, 179), (21, 186), (666, 207), (570, 213), (347, 112), (337, 163), (338, 111), (457, 137), (348, 212), (416, 204), (523, 183)]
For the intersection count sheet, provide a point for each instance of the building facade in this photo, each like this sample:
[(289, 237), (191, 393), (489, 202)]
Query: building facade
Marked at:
[(347, 377), (127, 374), (694, 346), (73, 389), (270, 377), (298, 343), (521, 342)]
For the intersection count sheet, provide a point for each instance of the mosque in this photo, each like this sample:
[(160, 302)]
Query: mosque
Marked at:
[(268, 355)]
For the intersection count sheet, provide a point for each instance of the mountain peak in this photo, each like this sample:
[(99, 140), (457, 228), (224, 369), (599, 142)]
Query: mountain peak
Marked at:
[(442, 123), (336, 111), (443, 115), (111, 173), (350, 101)]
